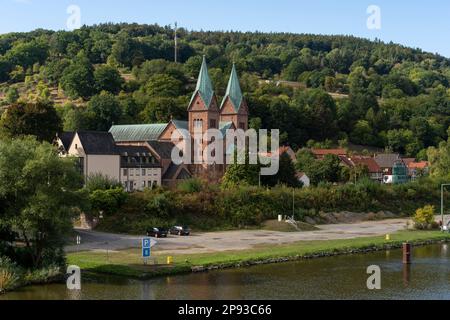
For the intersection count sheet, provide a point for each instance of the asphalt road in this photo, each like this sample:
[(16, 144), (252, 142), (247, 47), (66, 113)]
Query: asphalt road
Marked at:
[(235, 240)]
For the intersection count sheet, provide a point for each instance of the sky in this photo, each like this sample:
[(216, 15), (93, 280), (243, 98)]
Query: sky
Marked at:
[(414, 23)]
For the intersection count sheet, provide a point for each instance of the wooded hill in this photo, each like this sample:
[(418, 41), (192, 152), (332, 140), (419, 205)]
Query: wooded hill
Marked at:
[(382, 95)]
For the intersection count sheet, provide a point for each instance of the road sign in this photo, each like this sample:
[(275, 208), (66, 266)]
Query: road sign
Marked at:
[(146, 252)]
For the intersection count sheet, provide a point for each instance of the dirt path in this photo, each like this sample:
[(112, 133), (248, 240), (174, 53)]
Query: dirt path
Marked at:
[(235, 240)]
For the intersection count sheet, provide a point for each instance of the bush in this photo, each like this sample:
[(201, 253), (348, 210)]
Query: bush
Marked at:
[(9, 275), (101, 182), (108, 201), (424, 218), (190, 186)]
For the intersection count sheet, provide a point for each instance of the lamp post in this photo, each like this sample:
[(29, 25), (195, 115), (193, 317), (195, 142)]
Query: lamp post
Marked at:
[(442, 203)]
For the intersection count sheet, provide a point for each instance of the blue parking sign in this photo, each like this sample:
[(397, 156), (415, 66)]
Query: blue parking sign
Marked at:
[(146, 243), (146, 252), (146, 247)]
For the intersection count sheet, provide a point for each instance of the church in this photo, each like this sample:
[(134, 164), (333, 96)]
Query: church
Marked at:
[(140, 156)]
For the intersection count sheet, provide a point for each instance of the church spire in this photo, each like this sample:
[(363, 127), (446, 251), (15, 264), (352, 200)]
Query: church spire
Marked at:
[(234, 91), (204, 85)]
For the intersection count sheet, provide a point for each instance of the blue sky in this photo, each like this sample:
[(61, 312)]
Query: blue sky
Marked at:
[(422, 24)]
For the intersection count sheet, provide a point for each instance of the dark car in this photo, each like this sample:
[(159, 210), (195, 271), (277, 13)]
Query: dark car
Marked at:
[(180, 231), (157, 233)]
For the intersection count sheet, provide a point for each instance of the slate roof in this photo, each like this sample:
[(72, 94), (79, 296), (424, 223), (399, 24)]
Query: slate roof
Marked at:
[(387, 160), (162, 148), (97, 143), (133, 151), (181, 124), (224, 126), (204, 85), (66, 139), (137, 133), (234, 92), (172, 171)]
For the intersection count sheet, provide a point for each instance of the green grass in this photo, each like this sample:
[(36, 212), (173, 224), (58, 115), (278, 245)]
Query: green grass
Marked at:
[(129, 263)]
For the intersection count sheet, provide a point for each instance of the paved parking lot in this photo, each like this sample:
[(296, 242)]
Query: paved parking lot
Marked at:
[(235, 240)]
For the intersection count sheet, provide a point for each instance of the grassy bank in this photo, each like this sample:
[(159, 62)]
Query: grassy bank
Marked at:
[(129, 263)]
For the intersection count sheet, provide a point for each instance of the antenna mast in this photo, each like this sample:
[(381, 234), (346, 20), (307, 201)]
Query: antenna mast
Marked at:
[(176, 42)]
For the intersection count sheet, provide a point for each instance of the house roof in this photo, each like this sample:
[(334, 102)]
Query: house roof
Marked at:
[(97, 143), (66, 139), (133, 151), (162, 148), (204, 86), (176, 172), (419, 165), (324, 152), (346, 161), (387, 160), (369, 162), (137, 133), (234, 92)]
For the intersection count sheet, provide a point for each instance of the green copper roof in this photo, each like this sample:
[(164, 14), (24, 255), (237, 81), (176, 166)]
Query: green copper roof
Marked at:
[(137, 133), (204, 85), (181, 124), (234, 91)]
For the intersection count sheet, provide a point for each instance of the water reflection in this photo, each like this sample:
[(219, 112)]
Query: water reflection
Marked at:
[(328, 278)]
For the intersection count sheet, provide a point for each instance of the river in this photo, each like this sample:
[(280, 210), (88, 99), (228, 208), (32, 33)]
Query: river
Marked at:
[(342, 277)]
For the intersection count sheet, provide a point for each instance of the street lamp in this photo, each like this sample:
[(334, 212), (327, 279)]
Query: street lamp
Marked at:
[(442, 203)]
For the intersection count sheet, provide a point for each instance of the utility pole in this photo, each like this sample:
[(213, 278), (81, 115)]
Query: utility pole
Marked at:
[(442, 203), (176, 42)]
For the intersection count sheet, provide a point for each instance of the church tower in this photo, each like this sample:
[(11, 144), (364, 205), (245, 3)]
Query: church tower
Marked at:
[(234, 108), (203, 109)]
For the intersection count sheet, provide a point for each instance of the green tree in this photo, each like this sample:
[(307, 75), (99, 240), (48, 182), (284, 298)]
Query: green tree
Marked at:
[(104, 110), (39, 119), (78, 78), (108, 78), (39, 195)]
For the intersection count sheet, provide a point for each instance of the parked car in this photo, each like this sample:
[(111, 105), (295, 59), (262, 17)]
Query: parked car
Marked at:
[(180, 231), (157, 233)]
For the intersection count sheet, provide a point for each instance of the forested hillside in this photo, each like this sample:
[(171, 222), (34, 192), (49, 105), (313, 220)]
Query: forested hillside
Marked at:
[(345, 89)]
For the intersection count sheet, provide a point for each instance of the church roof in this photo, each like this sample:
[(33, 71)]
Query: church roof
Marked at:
[(234, 92), (97, 143), (204, 85), (137, 133)]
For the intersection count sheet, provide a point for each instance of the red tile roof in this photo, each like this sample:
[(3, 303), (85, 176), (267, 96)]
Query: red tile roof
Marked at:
[(371, 164), (418, 165), (324, 152)]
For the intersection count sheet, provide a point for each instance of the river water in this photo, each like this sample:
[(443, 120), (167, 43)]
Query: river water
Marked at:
[(342, 277)]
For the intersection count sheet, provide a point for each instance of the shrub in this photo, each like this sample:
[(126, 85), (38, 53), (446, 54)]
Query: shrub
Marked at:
[(190, 186), (424, 218), (9, 275), (108, 201), (99, 181)]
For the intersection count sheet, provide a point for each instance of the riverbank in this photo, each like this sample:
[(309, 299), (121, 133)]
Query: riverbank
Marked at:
[(129, 263)]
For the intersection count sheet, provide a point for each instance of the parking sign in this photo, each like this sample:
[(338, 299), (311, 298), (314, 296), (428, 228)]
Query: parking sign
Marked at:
[(146, 247)]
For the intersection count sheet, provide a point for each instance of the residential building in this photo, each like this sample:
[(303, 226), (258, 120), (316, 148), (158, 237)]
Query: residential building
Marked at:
[(375, 171)]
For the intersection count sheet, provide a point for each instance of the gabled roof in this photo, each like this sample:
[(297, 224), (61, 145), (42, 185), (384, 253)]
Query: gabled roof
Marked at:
[(97, 143), (369, 162), (137, 133), (178, 172), (179, 124), (162, 148), (387, 160), (204, 86), (419, 165), (234, 92), (66, 139)]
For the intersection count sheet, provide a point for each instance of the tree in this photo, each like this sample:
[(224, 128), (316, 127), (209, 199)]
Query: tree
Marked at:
[(241, 174), (163, 86), (12, 95), (39, 119), (104, 110), (439, 159), (162, 109), (108, 78), (78, 78), (39, 195), (286, 174)]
